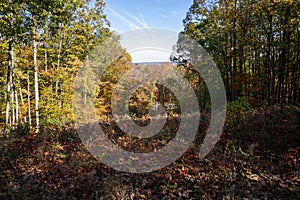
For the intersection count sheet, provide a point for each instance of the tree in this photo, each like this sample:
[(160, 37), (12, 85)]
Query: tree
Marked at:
[(254, 43), (50, 40), (10, 12)]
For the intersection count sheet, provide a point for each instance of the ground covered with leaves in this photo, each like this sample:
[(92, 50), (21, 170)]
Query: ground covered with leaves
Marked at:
[(256, 158)]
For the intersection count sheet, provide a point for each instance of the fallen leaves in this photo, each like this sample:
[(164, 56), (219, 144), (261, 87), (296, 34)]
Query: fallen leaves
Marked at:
[(58, 166)]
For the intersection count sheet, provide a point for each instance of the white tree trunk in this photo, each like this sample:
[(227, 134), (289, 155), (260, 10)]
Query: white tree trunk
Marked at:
[(28, 97), (22, 103), (17, 106), (36, 84), (13, 110), (9, 84)]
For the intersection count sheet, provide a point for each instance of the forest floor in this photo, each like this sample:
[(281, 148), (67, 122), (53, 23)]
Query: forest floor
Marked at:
[(257, 158)]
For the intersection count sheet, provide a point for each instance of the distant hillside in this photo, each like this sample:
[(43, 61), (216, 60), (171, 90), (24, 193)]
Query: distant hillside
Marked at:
[(153, 63)]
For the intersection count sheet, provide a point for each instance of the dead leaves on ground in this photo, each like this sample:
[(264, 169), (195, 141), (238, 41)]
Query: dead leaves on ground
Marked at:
[(56, 165)]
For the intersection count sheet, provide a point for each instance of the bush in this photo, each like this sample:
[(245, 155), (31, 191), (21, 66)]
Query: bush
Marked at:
[(272, 127)]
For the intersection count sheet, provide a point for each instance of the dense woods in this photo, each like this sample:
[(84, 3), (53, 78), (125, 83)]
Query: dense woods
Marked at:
[(42, 46), (254, 43)]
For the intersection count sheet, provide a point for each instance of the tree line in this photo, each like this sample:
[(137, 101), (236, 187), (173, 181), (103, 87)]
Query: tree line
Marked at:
[(255, 44), (42, 45)]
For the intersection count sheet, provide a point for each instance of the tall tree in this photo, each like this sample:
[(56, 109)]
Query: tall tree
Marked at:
[(10, 12), (254, 43), (49, 39)]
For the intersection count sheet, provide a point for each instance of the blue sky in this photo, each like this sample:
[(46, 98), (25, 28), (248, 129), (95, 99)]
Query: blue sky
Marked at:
[(126, 15)]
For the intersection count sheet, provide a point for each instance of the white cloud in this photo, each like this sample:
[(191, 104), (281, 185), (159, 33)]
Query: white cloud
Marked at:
[(140, 20), (150, 56), (130, 23), (174, 12)]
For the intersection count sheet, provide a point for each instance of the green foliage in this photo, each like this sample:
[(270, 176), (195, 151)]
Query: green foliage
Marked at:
[(239, 105), (236, 114), (65, 32)]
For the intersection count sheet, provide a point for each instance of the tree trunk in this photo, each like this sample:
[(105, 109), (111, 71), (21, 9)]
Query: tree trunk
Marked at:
[(28, 97), (15, 102), (9, 83), (13, 115), (22, 103), (17, 106), (36, 85)]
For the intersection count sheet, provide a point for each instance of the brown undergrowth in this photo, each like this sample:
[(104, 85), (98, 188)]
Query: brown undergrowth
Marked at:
[(257, 157)]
